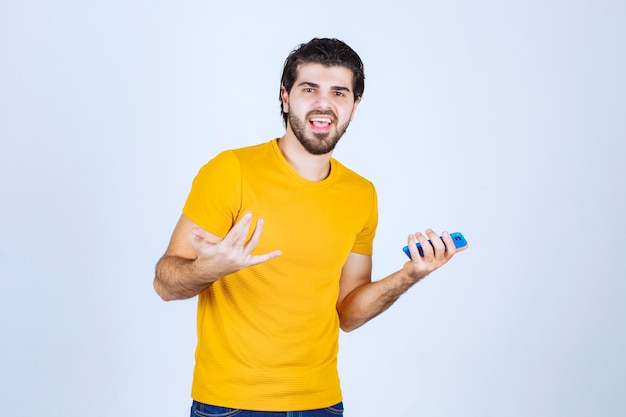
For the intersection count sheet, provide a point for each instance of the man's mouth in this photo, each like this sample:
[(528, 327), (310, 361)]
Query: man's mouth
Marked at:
[(321, 122)]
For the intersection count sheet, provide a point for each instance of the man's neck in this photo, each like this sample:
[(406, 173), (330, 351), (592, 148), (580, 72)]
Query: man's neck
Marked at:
[(308, 166)]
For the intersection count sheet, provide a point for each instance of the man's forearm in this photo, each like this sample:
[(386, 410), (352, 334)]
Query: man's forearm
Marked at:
[(369, 300), (177, 278)]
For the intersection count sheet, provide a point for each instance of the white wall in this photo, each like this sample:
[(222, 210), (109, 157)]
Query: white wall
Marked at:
[(503, 120)]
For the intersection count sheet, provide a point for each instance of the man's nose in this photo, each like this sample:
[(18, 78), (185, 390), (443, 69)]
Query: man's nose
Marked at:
[(323, 101)]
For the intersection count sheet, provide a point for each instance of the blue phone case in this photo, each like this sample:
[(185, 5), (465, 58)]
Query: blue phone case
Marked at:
[(457, 238)]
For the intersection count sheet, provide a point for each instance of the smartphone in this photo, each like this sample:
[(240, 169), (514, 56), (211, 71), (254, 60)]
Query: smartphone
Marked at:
[(457, 238)]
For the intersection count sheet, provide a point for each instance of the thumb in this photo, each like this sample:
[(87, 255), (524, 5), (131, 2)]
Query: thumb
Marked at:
[(199, 233)]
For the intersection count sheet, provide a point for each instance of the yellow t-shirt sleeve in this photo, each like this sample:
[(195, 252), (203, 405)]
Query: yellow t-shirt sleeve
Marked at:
[(215, 197), (364, 242)]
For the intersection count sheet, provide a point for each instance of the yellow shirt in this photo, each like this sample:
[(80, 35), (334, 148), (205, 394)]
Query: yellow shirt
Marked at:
[(268, 334)]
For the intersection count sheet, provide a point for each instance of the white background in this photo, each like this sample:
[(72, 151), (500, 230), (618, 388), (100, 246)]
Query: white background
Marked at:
[(505, 120)]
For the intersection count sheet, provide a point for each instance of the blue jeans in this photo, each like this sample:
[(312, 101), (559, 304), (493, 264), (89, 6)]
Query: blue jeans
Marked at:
[(205, 410)]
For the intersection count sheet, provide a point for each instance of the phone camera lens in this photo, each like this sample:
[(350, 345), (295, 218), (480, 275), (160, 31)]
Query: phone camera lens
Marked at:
[(457, 238)]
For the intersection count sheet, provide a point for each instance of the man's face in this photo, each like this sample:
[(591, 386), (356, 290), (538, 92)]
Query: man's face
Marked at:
[(320, 106)]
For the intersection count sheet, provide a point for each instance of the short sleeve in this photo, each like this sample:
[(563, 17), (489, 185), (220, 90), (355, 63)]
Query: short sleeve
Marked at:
[(364, 242), (215, 197)]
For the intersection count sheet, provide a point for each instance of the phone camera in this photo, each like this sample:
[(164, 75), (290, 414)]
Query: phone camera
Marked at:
[(457, 237)]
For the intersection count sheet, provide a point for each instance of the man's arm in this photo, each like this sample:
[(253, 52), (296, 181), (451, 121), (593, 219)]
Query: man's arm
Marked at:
[(196, 258), (360, 299)]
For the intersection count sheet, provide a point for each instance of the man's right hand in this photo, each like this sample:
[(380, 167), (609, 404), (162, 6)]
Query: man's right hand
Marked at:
[(195, 258), (231, 253)]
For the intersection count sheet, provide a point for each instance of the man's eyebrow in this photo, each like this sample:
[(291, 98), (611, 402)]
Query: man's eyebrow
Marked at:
[(308, 84), (314, 85)]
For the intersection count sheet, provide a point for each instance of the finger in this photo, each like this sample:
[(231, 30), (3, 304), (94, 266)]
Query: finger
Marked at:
[(237, 234), (427, 248), (200, 234), (438, 246), (450, 247), (201, 240), (256, 235), (254, 260), (415, 255), (197, 232)]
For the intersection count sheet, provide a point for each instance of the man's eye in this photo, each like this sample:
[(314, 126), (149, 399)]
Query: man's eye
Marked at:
[(339, 93), (308, 90)]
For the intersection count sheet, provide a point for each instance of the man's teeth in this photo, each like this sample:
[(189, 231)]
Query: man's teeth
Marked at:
[(320, 120)]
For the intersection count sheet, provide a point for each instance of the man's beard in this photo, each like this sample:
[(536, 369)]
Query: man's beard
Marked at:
[(321, 143)]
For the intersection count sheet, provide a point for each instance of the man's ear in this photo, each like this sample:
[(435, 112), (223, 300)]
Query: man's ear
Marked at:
[(285, 96), (354, 106)]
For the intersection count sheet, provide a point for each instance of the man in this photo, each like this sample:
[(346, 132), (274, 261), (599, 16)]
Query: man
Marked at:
[(272, 297)]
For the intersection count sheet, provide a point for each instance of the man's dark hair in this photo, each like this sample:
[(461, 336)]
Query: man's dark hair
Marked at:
[(325, 51)]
